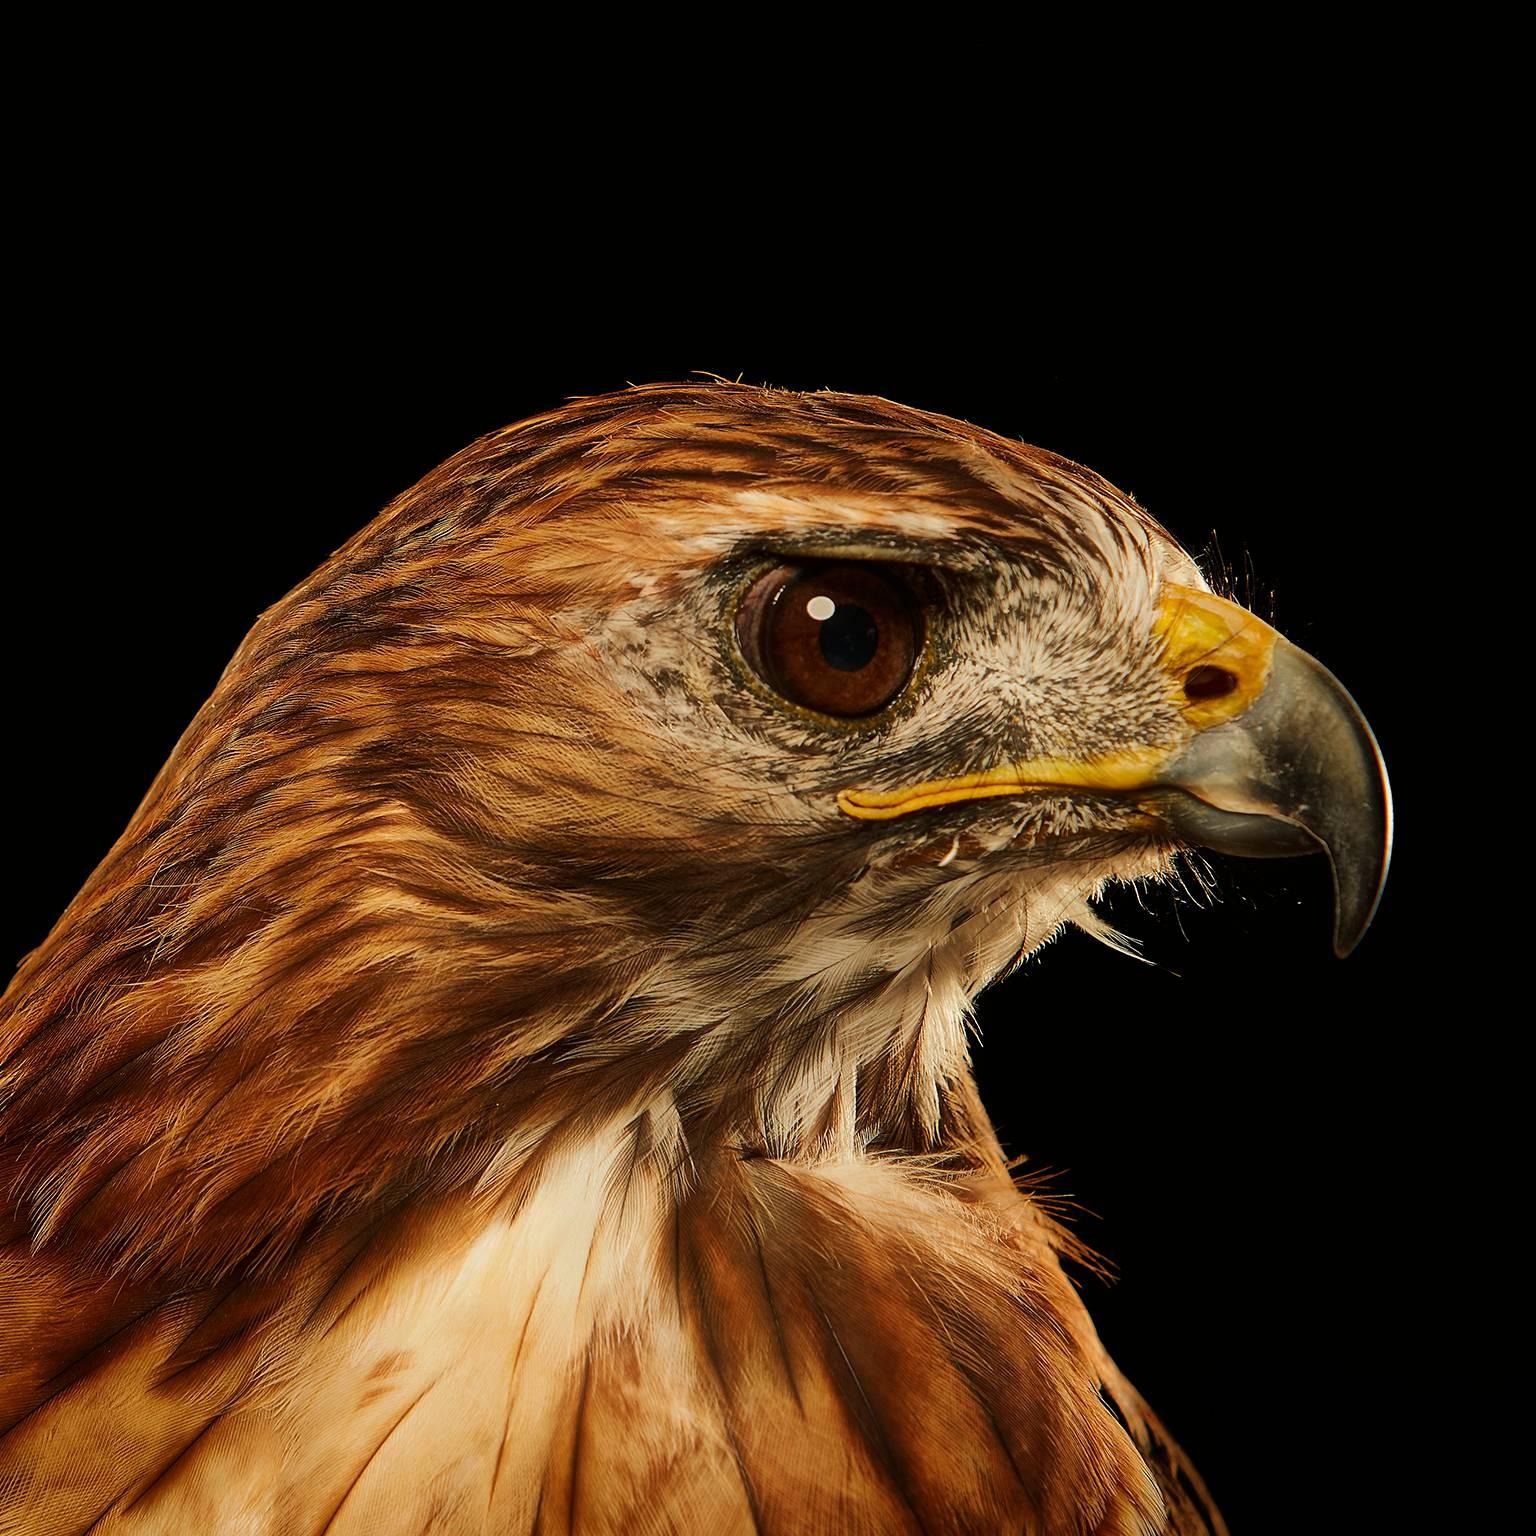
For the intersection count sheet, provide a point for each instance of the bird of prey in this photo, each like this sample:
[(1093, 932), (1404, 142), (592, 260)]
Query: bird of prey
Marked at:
[(511, 1073)]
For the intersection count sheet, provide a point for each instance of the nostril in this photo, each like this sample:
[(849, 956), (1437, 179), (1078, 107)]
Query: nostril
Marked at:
[(1209, 683)]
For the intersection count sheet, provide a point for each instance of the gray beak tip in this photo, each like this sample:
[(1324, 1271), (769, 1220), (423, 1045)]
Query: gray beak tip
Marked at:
[(1360, 864)]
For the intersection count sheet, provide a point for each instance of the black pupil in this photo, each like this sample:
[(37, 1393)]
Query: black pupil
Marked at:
[(849, 638)]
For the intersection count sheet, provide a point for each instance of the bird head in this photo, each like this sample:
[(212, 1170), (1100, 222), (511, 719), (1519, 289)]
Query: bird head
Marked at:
[(695, 753)]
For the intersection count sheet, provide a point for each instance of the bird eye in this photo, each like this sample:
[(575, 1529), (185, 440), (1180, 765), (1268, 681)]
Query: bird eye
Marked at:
[(841, 639)]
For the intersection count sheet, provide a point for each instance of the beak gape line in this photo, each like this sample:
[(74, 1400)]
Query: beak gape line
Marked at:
[(1274, 759)]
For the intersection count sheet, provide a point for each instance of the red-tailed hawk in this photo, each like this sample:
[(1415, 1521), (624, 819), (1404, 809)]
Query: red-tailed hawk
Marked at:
[(511, 1074)]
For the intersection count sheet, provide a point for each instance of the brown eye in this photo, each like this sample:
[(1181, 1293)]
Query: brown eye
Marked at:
[(839, 639)]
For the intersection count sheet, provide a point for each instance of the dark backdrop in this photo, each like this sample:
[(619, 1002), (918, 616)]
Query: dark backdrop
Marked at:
[(1228, 1122)]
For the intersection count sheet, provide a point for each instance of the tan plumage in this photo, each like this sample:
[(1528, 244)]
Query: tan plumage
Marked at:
[(491, 1086)]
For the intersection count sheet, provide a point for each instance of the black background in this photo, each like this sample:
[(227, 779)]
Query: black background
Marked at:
[(1234, 1122)]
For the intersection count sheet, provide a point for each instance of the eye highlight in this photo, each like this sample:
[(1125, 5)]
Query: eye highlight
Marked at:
[(840, 638)]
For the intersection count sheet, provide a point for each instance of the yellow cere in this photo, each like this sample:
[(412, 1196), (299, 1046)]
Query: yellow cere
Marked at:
[(1200, 629)]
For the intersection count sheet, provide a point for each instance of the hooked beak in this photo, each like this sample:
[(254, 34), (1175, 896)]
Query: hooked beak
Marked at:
[(1274, 759)]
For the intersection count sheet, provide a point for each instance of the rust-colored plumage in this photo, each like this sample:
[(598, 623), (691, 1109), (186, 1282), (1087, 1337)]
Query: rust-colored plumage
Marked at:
[(492, 1086)]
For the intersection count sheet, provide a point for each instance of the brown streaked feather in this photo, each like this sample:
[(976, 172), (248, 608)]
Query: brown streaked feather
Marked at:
[(1191, 1510), (485, 1088)]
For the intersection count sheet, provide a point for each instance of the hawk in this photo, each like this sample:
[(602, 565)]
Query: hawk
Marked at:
[(511, 1074)]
